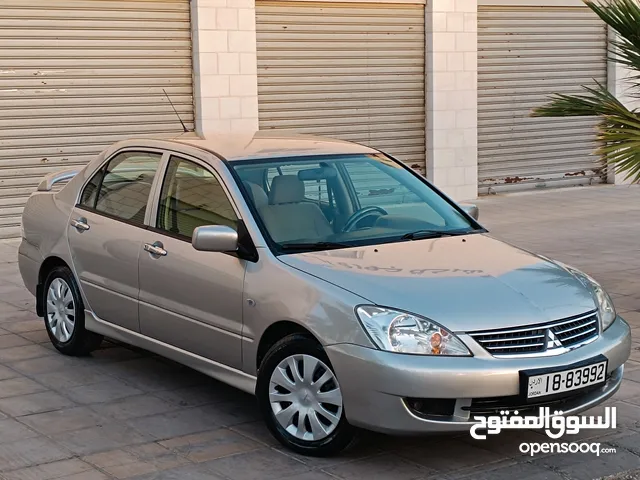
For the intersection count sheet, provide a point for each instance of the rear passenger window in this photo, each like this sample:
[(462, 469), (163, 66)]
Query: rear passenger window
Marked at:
[(192, 197), (315, 190), (123, 186), (377, 188)]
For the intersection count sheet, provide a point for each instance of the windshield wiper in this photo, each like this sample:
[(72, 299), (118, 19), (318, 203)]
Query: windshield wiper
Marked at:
[(314, 246), (422, 234)]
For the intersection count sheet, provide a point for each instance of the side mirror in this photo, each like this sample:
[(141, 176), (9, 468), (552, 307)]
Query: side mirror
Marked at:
[(215, 238), (471, 210)]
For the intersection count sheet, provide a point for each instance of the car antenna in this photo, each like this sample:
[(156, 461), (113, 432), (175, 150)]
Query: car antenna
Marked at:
[(176, 112)]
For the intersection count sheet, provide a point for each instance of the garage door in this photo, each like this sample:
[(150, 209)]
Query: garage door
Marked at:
[(77, 75), (353, 71), (526, 54)]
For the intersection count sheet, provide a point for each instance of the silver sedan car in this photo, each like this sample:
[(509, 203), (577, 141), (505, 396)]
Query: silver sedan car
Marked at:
[(328, 279)]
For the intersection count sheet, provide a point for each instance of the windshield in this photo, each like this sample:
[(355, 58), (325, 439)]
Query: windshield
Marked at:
[(338, 201)]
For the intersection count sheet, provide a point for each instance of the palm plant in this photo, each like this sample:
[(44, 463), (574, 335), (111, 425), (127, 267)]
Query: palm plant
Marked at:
[(619, 130)]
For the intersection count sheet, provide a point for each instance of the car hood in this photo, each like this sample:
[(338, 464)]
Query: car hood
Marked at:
[(467, 283)]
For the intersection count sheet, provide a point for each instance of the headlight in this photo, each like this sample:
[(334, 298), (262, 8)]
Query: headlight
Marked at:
[(606, 310), (605, 307), (402, 332)]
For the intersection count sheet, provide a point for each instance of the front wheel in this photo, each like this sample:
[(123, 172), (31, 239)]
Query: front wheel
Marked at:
[(301, 400)]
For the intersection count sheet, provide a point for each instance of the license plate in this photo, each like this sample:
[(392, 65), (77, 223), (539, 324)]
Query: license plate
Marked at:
[(561, 381)]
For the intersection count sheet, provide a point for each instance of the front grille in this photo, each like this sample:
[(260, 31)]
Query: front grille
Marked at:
[(539, 338)]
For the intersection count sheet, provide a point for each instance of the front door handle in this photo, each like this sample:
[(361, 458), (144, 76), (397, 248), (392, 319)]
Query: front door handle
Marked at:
[(80, 224), (155, 249)]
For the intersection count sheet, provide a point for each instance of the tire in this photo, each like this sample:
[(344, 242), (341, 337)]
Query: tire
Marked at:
[(304, 425), (64, 315)]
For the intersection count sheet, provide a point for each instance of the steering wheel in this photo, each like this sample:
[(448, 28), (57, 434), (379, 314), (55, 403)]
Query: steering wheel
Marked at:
[(361, 214)]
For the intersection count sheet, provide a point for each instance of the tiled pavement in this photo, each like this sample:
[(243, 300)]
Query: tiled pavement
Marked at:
[(124, 413)]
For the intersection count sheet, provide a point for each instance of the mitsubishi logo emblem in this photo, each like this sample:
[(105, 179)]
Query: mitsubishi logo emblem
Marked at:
[(552, 340)]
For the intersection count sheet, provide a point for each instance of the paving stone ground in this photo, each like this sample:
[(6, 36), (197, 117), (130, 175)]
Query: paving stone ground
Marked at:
[(124, 413)]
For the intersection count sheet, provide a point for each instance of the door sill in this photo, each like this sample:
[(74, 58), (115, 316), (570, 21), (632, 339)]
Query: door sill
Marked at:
[(228, 375)]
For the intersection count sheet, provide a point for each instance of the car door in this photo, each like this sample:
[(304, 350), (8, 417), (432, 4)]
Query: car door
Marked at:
[(106, 232), (190, 299)]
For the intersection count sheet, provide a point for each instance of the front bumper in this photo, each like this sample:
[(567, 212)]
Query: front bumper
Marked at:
[(374, 383)]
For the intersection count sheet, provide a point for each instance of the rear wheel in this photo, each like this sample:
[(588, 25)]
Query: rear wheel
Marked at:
[(301, 398), (64, 315)]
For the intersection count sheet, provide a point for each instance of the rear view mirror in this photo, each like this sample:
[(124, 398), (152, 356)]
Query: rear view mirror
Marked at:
[(317, 174), (215, 238), (471, 210)]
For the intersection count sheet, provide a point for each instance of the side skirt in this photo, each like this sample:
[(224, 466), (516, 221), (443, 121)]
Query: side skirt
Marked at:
[(228, 375)]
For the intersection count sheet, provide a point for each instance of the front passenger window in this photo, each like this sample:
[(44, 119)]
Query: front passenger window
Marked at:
[(192, 197)]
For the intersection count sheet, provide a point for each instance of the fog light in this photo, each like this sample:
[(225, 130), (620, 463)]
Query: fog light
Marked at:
[(431, 407)]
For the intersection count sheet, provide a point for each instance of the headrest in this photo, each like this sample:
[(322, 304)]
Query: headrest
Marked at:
[(286, 189), (257, 194)]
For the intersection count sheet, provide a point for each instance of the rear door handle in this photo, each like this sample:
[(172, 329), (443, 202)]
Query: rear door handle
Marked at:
[(155, 249), (80, 224)]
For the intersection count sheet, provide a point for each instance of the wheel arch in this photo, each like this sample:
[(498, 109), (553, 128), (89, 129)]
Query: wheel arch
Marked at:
[(47, 266), (277, 331)]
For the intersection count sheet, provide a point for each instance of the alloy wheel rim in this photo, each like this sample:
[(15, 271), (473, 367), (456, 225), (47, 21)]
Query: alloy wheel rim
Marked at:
[(61, 310), (305, 397)]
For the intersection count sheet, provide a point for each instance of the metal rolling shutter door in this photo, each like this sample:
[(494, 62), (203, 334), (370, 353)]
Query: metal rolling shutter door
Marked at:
[(353, 71), (526, 54), (78, 75)]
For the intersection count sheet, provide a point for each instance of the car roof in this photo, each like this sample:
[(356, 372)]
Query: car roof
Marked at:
[(271, 144)]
